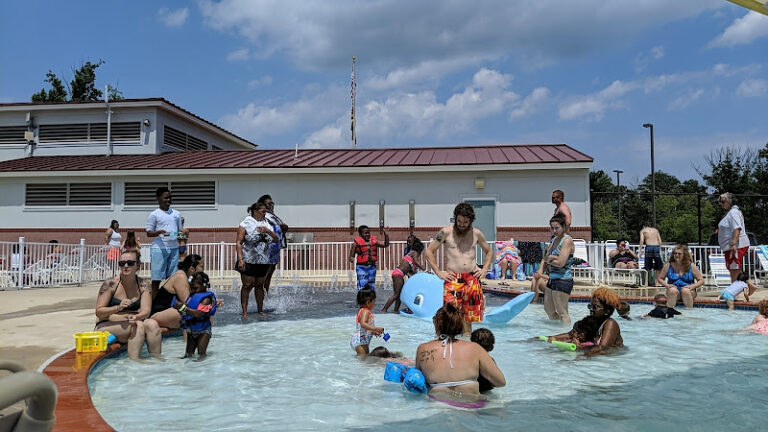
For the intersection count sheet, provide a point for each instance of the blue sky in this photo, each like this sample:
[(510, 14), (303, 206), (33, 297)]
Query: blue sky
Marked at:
[(429, 73)]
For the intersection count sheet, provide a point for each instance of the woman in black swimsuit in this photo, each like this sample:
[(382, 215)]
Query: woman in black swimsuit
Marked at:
[(176, 285), (122, 306)]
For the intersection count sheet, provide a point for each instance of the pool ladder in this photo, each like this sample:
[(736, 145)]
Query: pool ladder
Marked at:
[(40, 394)]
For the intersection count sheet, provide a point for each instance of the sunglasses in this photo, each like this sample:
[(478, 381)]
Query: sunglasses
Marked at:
[(594, 307), (129, 263)]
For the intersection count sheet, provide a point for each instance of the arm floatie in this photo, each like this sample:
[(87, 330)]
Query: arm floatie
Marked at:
[(412, 378)]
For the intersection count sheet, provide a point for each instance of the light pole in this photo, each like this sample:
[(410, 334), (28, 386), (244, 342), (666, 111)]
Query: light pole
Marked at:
[(618, 186), (653, 177)]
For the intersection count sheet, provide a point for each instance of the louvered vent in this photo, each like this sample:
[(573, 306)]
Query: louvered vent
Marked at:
[(90, 132), (12, 135), (181, 141), (184, 193), (68, 194)]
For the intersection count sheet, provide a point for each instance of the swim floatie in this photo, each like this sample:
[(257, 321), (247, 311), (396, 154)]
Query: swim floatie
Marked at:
[(565, 346), (412, 378)]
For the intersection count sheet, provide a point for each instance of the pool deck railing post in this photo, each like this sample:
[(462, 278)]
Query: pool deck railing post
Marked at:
[(81, 262), (22, 264)]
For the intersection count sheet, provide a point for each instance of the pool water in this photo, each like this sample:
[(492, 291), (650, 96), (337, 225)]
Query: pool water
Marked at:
[(294, 370)]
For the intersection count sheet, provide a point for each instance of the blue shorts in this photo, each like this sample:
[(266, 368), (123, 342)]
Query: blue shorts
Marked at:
[(726, 295), (653, 258), (164, 262), (366, 275)]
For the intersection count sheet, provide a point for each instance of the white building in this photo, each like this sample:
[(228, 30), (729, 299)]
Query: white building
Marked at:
[(68, 190)]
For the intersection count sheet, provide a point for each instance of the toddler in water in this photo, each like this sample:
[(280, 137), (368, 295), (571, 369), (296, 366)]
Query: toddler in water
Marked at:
[(661, 310), (485, 339), (582, 334), (197, 315), (760, 323), (742, 284), (365, 328)]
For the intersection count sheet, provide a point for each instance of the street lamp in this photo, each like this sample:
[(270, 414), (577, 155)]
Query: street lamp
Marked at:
[(653, 177), (618, 186)]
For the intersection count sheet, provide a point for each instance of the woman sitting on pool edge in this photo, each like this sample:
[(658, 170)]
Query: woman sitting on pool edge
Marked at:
[(449, 364), (680, 276), (122, 306), (177, 285)]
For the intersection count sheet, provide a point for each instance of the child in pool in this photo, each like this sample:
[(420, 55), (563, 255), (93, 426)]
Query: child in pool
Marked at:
[(742, 284), (197, 315), (408, 266), (661, 310), (760, 322), (485, 339), (365, 328), (582, 334), (623, 311)]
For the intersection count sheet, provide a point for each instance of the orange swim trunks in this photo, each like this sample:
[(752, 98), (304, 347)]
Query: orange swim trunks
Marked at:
[(467, 294)]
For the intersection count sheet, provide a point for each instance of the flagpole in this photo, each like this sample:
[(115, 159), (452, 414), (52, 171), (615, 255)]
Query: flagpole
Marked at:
[(352, 95)]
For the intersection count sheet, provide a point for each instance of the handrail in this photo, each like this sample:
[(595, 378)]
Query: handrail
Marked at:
[(39, 391)]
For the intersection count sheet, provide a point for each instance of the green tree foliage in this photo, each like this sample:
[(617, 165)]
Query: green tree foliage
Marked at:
[(57, 93), (677, 208), (81, 88), (744, 173)]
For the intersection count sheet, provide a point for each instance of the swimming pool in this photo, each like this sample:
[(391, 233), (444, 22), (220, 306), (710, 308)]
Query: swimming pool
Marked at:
[(295, 371)]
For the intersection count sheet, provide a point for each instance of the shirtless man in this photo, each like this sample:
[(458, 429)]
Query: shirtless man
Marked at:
[(558, 199), (650, 237), (461, 277)]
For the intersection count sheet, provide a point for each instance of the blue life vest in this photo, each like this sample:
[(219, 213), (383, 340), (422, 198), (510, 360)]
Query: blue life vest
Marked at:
[(199, 323)]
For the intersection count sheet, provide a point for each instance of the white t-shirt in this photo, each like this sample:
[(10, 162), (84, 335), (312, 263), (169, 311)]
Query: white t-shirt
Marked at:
[(169, 222), (736, 287), (730, 222)]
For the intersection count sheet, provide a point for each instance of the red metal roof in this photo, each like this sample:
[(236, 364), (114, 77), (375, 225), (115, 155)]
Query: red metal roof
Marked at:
[(322, 158)]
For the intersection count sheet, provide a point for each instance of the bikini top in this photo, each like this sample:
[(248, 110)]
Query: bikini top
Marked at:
[(135, 306), (447, 343)]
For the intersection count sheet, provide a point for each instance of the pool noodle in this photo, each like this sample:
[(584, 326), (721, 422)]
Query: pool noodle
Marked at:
[(566, 346)]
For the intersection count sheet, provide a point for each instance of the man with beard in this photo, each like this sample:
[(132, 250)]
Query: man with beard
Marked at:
[(558, 199), (462, 275)]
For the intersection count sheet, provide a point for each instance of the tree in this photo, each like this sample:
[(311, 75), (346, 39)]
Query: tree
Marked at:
[(81, 88), (57, 93)]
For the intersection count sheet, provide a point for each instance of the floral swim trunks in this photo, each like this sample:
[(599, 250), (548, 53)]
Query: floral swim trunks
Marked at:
[(466, 293)]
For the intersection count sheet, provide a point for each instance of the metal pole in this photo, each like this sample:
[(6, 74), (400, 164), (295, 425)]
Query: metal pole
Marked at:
[(698, 214), (22, 264), (109, 121), (82, 257), (618, 186), (653, 177)]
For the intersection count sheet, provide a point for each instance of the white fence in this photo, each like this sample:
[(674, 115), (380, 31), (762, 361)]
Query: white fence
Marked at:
[(27, 264)]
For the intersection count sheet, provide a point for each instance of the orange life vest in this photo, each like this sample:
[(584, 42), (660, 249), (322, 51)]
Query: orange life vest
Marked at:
[(367, 253)]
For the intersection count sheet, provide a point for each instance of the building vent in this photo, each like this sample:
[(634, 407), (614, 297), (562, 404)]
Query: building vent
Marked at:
[(68, 194), (182, 141), (12, 135), (184, 193), (90, 132)]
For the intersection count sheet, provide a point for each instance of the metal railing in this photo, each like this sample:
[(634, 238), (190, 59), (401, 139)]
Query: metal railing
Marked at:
[(29, 264)]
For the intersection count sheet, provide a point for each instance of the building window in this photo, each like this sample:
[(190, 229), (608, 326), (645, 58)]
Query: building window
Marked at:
[(182, 141), (90, 132), (184, 193), (68, 194), (12, 135)]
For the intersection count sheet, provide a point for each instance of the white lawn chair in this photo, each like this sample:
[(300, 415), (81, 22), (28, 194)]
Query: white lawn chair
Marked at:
[(612, 275), (590, 274), (761, 273), (719, 273)]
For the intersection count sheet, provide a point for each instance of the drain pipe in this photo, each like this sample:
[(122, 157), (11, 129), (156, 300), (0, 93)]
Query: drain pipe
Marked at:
[(109, 121)]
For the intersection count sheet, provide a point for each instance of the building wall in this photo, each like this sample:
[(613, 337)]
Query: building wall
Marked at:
[(165, 118), (318, 203)]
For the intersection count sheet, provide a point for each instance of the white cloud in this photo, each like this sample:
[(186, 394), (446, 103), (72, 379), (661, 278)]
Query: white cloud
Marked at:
[(531, 103), (327, 137), (683, 101), (643, 59), (264, 81), (753, 87), (743, 30), (238, 55), (173, 18), (593, 106), (389, 35), (412, 77)]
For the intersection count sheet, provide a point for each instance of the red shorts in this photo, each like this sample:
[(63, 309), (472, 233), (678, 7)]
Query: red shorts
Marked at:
[(734, 259), (467, 294), (113, 253)]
